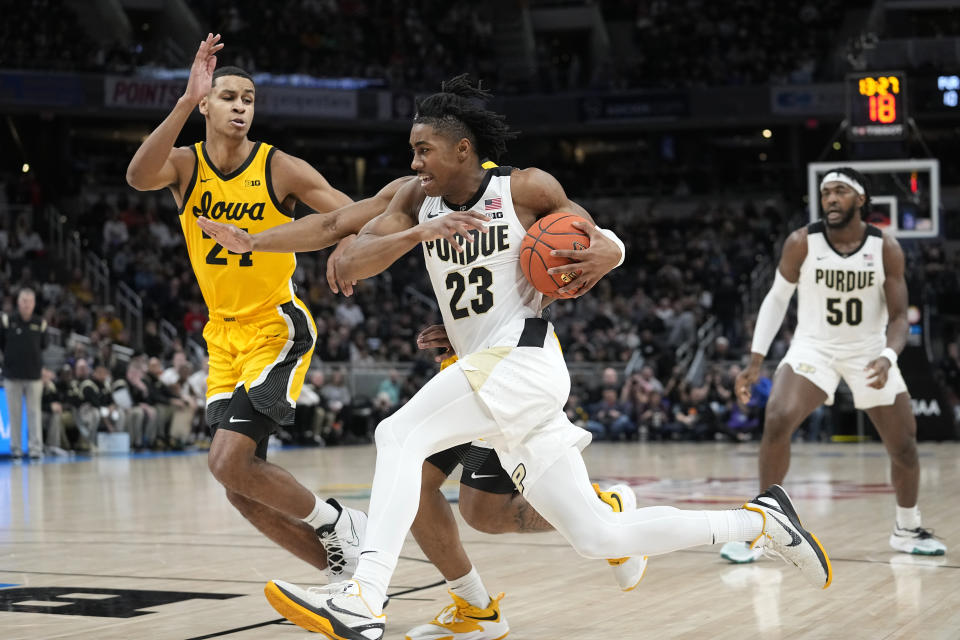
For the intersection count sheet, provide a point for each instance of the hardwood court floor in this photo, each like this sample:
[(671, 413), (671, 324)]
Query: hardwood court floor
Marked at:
[(131, 548)]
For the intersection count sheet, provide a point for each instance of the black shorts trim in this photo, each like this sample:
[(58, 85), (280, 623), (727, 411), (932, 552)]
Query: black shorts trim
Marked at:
[(270, 396), (481, 468), (215, 410), (534, 333)]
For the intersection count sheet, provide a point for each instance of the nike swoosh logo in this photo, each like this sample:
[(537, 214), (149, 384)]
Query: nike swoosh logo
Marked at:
[(205, 179), (432, 215), (476, 477), (234, 420), (493, 616), (371, 551), (822, 257), (794, 538), (333, 607), (355, 539)]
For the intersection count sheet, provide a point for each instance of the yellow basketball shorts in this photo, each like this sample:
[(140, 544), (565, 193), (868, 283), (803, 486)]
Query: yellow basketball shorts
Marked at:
[(268, 354)]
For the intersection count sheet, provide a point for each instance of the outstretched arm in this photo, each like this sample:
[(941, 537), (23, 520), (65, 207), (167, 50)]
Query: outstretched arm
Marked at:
[(156, 164), (310, 233), (394, 232)]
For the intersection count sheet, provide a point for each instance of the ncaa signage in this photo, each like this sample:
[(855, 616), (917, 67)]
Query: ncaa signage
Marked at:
[(925, 408)]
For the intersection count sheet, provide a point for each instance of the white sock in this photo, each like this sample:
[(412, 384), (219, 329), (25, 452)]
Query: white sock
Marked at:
[(323, 513), (470, 588), (739, 525), (908, 517), (373, 575)]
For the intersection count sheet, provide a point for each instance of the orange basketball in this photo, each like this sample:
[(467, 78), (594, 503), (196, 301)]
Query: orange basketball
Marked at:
[(555, 231)]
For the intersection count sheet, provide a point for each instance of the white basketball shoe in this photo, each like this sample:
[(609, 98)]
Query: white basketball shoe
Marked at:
[(784, 536), (342, 541), (463, 621), (627, 571), (337, 610), (919, 542)]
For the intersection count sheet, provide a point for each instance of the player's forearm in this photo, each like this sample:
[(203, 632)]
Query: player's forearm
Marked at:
[(319, 230), (310, 233), (370, 254), (897, 329), (153, 153)]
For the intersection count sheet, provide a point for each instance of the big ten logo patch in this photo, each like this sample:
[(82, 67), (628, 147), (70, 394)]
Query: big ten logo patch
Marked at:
[(251, 183), (101, 603)]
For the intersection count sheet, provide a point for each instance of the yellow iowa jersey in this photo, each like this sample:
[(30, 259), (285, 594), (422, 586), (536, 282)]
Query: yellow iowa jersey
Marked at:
[(236, 285)]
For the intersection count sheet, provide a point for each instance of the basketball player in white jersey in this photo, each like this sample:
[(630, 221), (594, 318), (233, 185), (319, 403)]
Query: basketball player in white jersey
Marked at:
[(851, 324), (488, 499), (510, 383)]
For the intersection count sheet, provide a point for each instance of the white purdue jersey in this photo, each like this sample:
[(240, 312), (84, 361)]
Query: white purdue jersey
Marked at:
[(483, 295), (841, 305)]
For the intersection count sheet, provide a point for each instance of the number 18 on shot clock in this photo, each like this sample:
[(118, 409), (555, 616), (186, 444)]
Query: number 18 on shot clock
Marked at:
[(877, 105)]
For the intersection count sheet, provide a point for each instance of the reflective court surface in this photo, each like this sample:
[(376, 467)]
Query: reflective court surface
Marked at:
[(148, 547)]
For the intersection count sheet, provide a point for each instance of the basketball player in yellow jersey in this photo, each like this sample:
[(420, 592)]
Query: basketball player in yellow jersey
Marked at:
[(260, 336)]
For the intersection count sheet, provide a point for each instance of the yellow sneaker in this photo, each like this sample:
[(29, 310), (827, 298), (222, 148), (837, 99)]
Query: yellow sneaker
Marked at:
[(463, 621), (628, 571)]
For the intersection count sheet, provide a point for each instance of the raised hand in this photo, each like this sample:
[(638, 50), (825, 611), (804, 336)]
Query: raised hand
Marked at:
[(591, 264), (201, 72), (228, 236), (454, 224)]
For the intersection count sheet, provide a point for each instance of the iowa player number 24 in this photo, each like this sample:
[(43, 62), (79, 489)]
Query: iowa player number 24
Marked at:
[(214, 257)]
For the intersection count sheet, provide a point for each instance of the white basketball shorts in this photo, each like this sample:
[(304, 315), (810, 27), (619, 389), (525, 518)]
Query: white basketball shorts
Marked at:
[(825, 367), (524, 388)]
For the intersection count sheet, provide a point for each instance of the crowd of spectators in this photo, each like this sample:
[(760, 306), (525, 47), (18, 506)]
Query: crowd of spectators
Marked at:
[(48, 35), (416, 45), (642, 407), (700, 43), (409, 44)]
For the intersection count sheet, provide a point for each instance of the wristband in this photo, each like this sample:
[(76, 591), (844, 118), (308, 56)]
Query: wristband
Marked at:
[(890, 355), (617, 241)]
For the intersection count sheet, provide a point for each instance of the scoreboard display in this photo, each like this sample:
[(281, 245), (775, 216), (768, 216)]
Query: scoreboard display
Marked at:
[(877, 105)]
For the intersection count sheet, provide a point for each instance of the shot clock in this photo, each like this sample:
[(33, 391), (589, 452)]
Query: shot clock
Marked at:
[(877, 105)]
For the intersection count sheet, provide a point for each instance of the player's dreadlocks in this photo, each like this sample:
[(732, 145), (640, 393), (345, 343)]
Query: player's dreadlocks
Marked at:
[(853, 174), (458, 111)]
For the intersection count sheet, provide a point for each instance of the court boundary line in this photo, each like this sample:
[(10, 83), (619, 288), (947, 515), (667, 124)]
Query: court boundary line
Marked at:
[(228, 632)]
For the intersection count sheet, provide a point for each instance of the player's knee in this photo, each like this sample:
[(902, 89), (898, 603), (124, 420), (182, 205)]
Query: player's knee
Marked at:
[(385, 435), (776, 423), (903, 452), (225, 465), (431, 479), (594, 544)]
